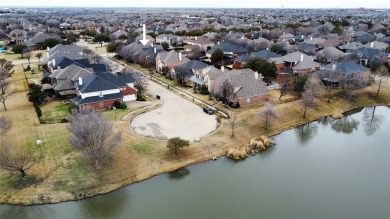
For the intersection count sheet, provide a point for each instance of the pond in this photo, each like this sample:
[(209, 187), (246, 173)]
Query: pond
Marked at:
[(325, 169)]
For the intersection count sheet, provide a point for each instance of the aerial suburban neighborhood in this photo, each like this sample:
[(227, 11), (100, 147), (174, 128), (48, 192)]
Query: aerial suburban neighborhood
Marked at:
[(95, 99)]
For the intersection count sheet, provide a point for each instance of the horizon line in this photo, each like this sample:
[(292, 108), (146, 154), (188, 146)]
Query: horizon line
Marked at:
[(151, 7)]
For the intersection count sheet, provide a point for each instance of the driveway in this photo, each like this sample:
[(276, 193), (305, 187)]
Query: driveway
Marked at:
[(177, 117)]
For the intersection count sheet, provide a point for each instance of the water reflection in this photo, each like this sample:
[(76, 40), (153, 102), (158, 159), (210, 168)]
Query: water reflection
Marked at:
[(371, 121), (345, 125), (17, 212), (306, 132), (105, 206), (325, 121), (179, 174)]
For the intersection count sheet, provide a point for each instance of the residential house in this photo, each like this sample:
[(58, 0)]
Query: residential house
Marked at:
[(63, 62), (350, 47), (286, 63), (64, 81), (169, 59), (240, 87), (69, 51), (37, 42), (206, 76), (377, 45), (368, 56), (239, 62), (203, 42), (171, 39), (229, 49), (185, 72), (101, 90), (342, 71), (18, 36), (329, 54)]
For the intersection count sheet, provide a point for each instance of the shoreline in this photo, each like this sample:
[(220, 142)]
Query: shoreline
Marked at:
[(112, 187)]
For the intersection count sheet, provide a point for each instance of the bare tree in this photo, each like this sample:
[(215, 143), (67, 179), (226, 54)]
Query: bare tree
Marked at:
[(223, 91), (313, 88), (382, 72), (92, 133), (27, 54), (15, 158), (95, 58), (87, 51), (5, 69), (5, 92), (38, 56), (5, 125), (267, 112), (140, 83), (127, 71), (354, 82), (232, 122), (307, 100)]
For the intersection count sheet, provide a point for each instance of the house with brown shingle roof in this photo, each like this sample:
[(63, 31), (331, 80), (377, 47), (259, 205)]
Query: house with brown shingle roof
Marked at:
[(203, 42), (240, 87), (169, 59)]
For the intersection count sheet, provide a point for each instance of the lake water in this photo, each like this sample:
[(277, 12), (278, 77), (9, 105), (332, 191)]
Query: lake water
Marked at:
[(325, 169)]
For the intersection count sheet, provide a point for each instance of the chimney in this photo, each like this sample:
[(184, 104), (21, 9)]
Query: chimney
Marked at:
[(196, 38), (311, 38), (48, 49), (151, 44), (54, 62), (222, 68), (218, 42), (180, 56), (334, 67), (372, 44), (348, 43), (256, 75), (80, 81), (301, 57), (242, 37), (155, 50)]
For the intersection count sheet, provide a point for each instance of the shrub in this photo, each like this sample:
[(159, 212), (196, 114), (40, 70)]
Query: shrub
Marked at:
[(204, 90), (123, 105), (117, 104)]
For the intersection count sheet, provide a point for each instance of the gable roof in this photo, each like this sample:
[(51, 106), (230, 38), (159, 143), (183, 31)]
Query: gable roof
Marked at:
[(103, 81), (244, 83), (228, 47), (330, 53), (171, 56), (187, 68), (367, 53), (345, 67), (64, 62)]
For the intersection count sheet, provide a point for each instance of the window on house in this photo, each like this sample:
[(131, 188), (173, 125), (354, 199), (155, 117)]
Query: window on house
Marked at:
[(101, 104)]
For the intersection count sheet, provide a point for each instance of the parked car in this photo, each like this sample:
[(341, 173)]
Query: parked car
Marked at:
[(208, 111)]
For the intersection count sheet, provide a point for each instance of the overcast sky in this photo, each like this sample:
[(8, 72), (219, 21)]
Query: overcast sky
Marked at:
[(204, 3)]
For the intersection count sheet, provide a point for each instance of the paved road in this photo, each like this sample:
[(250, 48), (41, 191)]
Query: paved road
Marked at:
[(177, 117)]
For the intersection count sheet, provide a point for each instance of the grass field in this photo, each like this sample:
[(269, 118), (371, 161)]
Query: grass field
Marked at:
[(60, 173)]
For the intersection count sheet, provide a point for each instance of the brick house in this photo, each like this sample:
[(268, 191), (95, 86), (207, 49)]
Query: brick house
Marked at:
[(240, 87), (169, 59), (100, 90)]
